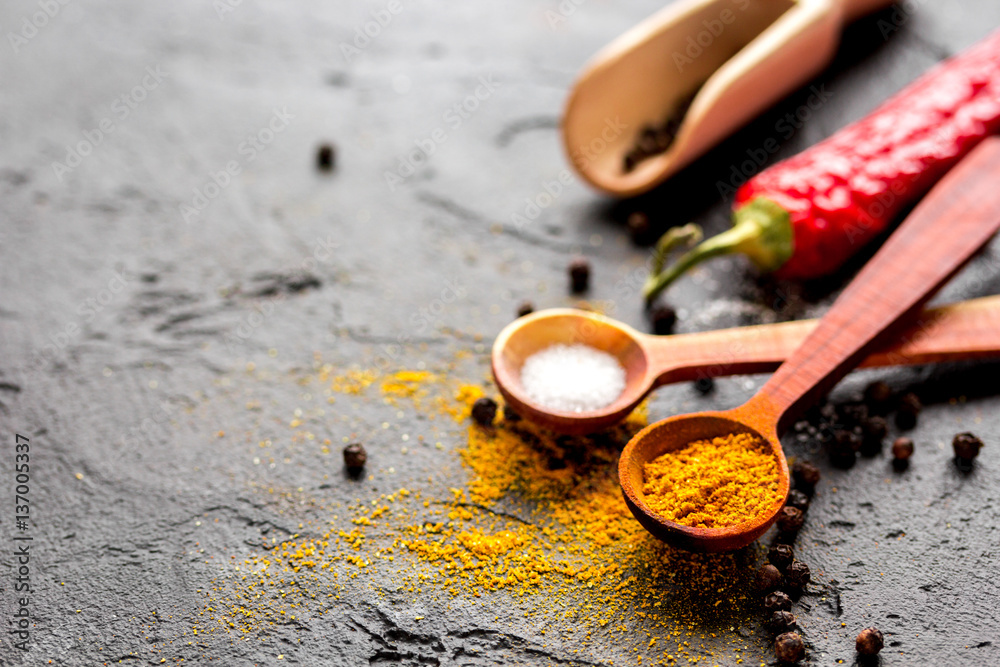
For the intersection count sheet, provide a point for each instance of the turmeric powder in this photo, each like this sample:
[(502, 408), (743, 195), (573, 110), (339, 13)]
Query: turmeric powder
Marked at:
[(531, 527), (713, 483)]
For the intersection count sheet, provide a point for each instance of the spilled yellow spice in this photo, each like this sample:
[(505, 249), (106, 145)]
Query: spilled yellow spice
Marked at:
[(540, 523), (405, 384), (713, 483)]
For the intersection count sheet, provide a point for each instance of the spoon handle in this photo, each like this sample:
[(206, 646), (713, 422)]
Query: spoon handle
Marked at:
[(953, 221), (958, 331)]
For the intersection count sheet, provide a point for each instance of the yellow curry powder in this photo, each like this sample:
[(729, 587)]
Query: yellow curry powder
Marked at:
[(540, 522), (713, 483)]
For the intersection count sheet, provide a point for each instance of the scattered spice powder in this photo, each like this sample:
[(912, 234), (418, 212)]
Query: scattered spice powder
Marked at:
[(540, 522), (713, 483)]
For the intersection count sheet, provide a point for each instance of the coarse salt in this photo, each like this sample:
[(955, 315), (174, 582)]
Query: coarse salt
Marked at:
[(572, 378)]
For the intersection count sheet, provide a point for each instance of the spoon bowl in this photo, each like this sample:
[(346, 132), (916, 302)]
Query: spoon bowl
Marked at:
[(535, 332), (677, 432), (731, 59)]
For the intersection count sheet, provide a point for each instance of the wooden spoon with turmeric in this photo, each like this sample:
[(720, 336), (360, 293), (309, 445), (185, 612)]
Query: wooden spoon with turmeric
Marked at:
[(954, 220)]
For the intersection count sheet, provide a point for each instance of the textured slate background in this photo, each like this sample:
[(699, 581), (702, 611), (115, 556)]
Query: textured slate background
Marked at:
[(122, 395)]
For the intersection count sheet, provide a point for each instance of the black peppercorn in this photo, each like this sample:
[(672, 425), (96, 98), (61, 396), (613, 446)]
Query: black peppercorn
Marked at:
[(777, 601), (509, 415), (874, 430), (869, 641), (789, 648), (843, 448), (853, 414), (790, 520), (907, 411), (579, 275), (325, 158), (780, 621), (848, 439), (966, 446), (665, 136), (781, 556), (484, 411), (768, 578), (526, 308), (806, 476), (797, 575), (355, 457), (704, 386), (798, 500), (639, 228), (632, 158), (878, 396), (902, 449), (663, 319)]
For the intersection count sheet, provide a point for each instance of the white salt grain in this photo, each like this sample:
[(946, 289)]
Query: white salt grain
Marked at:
[(572, 378)]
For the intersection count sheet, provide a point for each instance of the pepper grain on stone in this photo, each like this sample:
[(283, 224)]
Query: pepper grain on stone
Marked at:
[(663, 319), (806, 476), (781, 622), (790, 520), (798, 500), (325, 157), (579, 275), (781, 556), (768, 578), (966, 446), (778, 601), (797, 575), (355, 457), (789, 648), (874, 429), (869, 642), (907, 411), (484, 411), (878, 397)]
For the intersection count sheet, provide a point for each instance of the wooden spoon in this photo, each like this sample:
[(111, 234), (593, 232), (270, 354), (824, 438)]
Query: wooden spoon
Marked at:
[(954, 220), (966, 330), (741, 56)]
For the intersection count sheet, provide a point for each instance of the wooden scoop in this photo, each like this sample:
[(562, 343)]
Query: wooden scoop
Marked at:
[(953, 221), (736, 57), (966, 330)]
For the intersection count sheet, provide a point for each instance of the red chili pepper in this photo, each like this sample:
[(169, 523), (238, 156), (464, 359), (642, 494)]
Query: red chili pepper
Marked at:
[(805, 216)]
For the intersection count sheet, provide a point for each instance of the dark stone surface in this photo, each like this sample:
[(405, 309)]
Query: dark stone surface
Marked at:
[(126, 327)]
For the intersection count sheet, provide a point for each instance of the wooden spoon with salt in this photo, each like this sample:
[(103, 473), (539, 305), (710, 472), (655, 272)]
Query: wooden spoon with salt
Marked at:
[(956, 332)]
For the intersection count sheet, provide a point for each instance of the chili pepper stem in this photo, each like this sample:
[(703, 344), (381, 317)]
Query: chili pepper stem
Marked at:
[(688, 234), (762, 231)]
